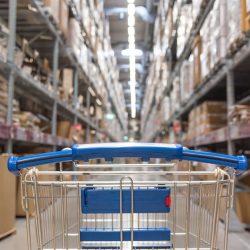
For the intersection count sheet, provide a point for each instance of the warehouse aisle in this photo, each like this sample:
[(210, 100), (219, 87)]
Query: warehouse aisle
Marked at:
[(239, 241)]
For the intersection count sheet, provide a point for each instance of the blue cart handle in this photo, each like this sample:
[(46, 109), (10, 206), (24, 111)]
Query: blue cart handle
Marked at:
[(108, 151)]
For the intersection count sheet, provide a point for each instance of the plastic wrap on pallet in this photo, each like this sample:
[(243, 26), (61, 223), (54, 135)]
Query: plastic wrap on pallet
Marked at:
[(74, 36), (186, 79), (218, 31), (196, 8), (165, 108), (205, 59), (234, 21), (184, 27)]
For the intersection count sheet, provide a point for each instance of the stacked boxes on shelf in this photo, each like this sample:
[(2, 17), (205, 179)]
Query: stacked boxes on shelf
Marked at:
[(103, 72), (239, 114), (88, 40), (221, 31), (74, 132), (196, 51), (208, 116)]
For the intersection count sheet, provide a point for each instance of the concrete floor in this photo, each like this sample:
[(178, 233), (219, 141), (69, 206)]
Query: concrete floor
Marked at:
[(239, 241)]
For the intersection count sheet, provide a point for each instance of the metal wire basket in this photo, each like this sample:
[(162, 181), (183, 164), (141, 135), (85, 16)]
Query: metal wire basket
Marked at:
[(167, 205)]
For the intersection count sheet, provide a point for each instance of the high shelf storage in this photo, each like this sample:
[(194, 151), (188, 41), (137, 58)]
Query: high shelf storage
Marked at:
[(199, 59), (55, 59)]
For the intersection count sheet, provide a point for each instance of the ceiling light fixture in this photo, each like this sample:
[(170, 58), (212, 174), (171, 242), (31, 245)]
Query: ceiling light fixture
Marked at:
[(131, 21), (132, 53), (131, 39), (131, 31), (131, 9)]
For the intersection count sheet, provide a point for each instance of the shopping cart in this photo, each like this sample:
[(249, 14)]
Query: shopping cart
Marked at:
[(165, 203)]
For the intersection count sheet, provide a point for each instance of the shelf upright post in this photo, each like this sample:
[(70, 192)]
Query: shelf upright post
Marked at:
[(55, 87), (76, 84), (230, 102), (88, 106), (11, 61)]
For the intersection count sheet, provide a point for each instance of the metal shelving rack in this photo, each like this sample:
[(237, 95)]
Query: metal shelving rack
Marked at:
[(77, 16), (223, 76), (20, 25)]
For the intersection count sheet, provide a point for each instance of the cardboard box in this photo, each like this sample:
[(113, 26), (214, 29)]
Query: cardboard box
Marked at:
[(67, 83), (7, 199), (242, 206), (76, 133), (63, 128), (197, 49), (215, 107)]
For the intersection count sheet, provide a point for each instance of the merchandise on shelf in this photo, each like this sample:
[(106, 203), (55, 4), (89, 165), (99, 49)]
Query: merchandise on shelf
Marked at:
[(67, 84), (196, 50), (165, 109), (208, 116), (205, 55), (53, 7), (63, 17), (235, 21), (27, 120), (63, 128), (186, 79), (218, 33), (175, 95), (184, 27), (77, 133), (168, 22), (3, 42), (239, 114), (196, 8), (74, 38)]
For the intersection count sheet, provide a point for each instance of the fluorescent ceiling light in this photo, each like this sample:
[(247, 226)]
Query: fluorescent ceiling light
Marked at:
[(131, 47), (133, 100), (131, 31), (131, 39), (131, 21), (133, 83), (132, 77), (132, 52), (131, 9)]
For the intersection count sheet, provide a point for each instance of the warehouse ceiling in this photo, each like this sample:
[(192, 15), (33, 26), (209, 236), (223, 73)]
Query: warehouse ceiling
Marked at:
[(117, 14)]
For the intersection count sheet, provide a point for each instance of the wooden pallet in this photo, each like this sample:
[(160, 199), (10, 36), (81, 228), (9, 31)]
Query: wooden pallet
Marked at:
[(10, 232)]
